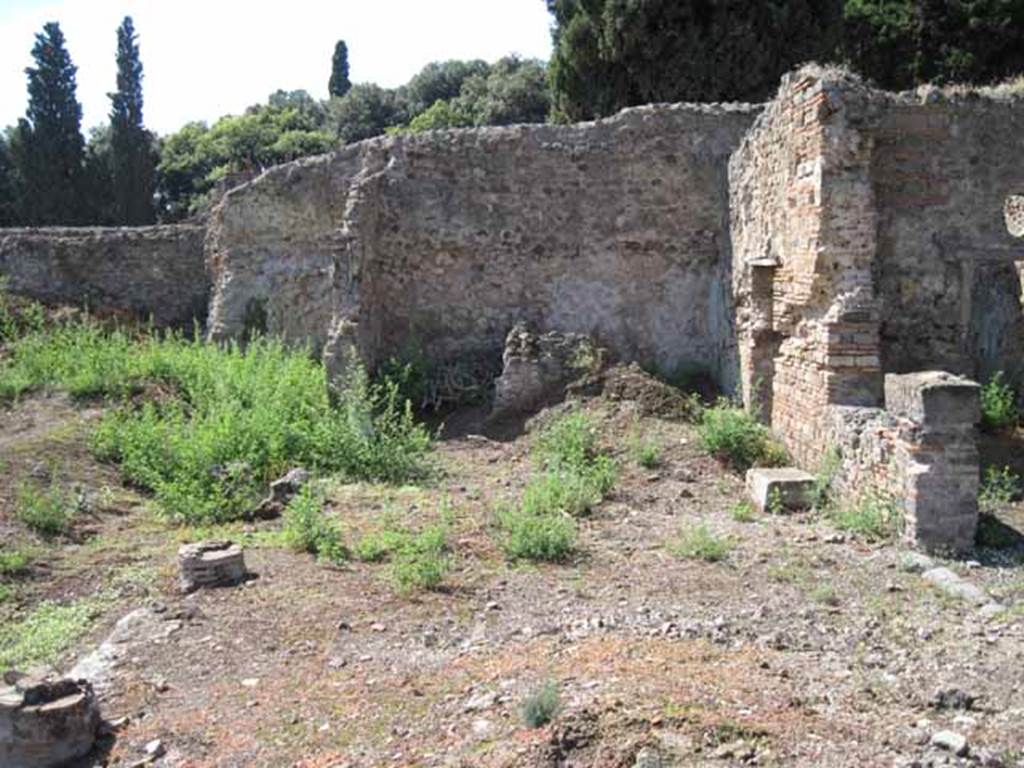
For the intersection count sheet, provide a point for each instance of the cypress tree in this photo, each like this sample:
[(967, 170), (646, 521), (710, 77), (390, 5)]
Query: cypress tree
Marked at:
[(131, 147), (49, 139), (339, 84)]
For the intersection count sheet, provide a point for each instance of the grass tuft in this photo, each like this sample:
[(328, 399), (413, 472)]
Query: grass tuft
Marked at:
[(48, 512), (45, 634), (701, 543), (307, 528), (542, 705)]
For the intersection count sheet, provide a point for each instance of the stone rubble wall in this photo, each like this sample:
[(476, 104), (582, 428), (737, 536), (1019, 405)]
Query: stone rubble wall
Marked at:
[(436, 245), (155, 272)]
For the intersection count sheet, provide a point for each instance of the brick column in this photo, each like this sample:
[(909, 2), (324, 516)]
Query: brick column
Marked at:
[(935, 457)]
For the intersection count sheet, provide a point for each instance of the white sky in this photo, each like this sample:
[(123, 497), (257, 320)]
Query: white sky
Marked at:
[(206, 58)]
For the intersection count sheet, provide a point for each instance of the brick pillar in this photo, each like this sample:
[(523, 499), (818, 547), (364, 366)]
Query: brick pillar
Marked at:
[(935, 458)]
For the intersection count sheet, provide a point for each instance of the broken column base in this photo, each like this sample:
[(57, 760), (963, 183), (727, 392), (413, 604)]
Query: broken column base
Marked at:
[(45, 723), (211, 564), (784, 489)]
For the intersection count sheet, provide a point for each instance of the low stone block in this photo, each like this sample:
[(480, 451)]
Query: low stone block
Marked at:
[(45, 723), (933, 398), (793, 487), (211, 564)]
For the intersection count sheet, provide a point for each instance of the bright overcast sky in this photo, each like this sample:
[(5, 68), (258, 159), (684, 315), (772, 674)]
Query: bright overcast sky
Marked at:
[(206, 58)]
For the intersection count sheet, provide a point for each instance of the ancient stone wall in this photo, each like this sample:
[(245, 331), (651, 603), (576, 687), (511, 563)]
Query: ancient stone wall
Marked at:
[(942, 169), (436, 245), (153, 272)]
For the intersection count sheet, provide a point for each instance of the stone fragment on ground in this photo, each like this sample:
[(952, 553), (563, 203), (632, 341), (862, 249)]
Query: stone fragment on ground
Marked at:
[(950, 583), (45, 723), (281, 492), (951, 741), (211, 564)]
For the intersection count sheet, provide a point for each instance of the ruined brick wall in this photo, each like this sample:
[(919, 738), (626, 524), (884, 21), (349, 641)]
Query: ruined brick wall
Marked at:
[(156, 272), (803, 230), (442, 241), (943, 167)]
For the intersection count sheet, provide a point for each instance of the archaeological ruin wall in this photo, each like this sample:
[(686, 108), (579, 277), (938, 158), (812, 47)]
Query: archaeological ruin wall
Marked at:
[(148, 272), (438, 244)]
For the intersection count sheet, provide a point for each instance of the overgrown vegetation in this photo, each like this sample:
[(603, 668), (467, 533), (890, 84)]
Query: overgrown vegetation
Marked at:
[(541, 705), (13, 562), (701, 543), (999, 404), (733, 435), (999, 487), (875, 516), (45, 634), (206, 427), (575, 477)]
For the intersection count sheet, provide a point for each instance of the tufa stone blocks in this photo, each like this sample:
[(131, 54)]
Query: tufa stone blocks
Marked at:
[(45, 723), (211, 564)]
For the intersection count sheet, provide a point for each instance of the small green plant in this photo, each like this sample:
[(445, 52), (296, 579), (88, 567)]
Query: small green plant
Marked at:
[(378, 546), (7, 592), (999, 487), (307, 529), (567, 443), (48, 512), (775, 505), (875, 516), (540, 537), (998, 404), (701, 543), (733, 435), (541, 705), (44, 634), (825, 594), (742, 512), (13, 562), (821, 492), (422, 562)]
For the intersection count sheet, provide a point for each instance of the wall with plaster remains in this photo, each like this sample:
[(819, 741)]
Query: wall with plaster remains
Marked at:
[(437, 244), (153, 272)]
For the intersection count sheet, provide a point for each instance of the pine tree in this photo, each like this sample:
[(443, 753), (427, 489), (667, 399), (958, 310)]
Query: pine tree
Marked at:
[(133, 166), (50, 147), (339, 83)]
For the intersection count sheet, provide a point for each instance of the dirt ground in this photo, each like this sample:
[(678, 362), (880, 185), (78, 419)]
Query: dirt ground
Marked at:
[(803, 647)]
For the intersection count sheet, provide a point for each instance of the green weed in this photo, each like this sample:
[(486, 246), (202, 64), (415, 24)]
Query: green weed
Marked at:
[(422, 562), (542, 705), (733, 435), (13, 562), (999, 487), (742, 512), (48, 512), (701, 543), (998, 404), (874, 516), (7, 592), (377, 546), (541, 537), (44, 634), (307, 528)]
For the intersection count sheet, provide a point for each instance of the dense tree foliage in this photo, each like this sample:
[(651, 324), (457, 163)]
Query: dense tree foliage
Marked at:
[(614, 53), (8, 186), (49, 150), (132, 161), (901, 43), (609, 54), (339, 84)]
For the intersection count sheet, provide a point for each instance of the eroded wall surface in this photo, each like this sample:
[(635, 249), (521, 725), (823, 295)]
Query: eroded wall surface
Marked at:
[(949, 293), (153, 272), (436, 245)]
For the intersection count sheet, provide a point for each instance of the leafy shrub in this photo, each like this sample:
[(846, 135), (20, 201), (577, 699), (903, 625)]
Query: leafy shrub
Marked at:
[(999, 487), (7, 593), (18, 317), (574, 493), (224, 421), (998, 404), (307, 528), (422, 561), (545, 537), (648, 456), (542, 705), (701, 543), (874, 516), (48, 513), (733, 435), (567, 443)]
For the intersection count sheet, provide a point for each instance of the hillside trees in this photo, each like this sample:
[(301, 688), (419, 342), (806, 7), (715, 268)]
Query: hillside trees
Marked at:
[(339, 84)]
